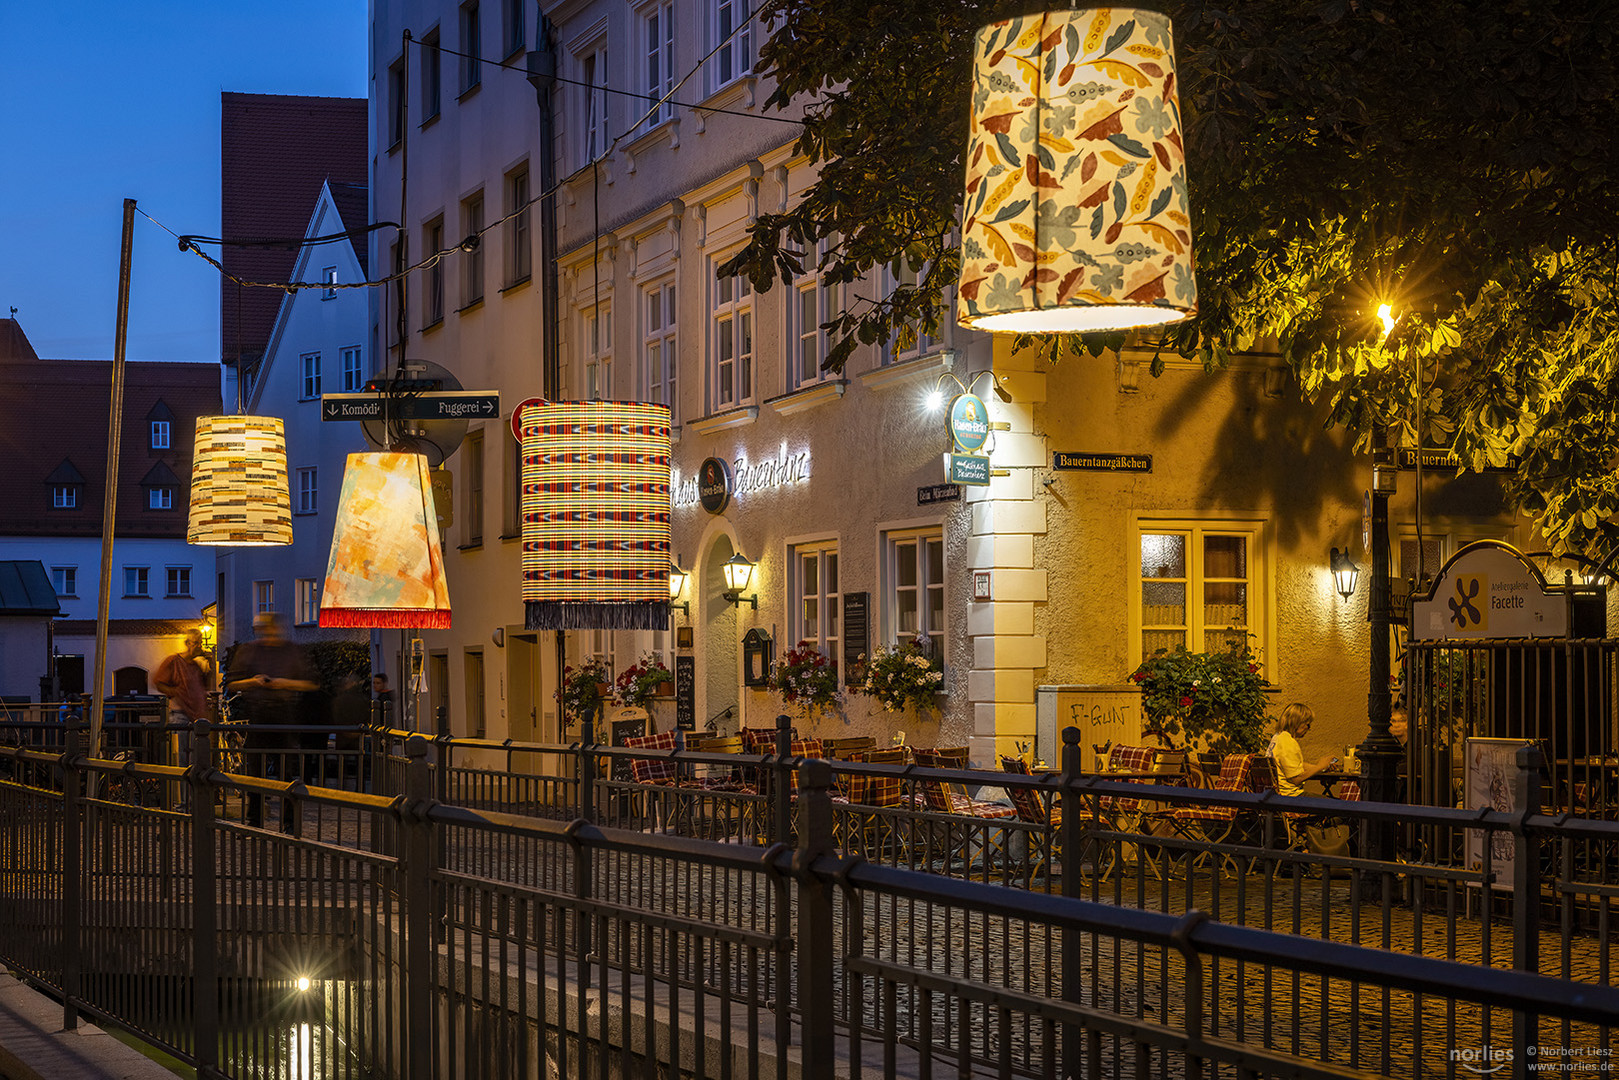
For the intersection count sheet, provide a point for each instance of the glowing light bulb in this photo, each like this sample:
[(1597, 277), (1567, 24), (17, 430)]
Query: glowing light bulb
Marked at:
[(303, 984), (1386, 313), (935, 400)]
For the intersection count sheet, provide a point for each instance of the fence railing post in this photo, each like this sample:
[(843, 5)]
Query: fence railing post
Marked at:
[(1073, 856), (72, 875), (204, 899), (816, 947), (1525, 897), (782, 795), (420, 974)]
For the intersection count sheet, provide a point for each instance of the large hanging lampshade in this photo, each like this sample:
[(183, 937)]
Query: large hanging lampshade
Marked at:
[(239, 493), (595, 515), (386, 568), (1076, 217)]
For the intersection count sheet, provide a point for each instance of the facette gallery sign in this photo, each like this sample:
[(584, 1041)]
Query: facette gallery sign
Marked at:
[(717, 480)]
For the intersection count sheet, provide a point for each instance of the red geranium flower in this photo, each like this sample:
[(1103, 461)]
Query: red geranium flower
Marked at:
[(1186, 703)]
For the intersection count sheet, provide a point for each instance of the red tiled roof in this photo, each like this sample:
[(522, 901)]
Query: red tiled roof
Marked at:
[(53, 411), (274, 152)]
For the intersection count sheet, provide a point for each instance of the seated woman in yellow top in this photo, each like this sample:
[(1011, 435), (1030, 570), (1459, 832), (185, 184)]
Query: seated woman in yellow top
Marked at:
[(1291, 771)]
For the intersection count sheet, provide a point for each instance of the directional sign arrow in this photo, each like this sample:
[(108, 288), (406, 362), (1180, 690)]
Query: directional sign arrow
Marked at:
[(438, 405)]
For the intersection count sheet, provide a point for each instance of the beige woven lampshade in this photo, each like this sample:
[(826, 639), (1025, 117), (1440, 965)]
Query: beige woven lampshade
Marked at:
[(1076, 216), (386, 567), (239, 495)]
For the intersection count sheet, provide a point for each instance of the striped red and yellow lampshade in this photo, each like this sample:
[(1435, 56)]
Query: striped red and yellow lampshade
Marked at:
[(595, 515), (386, 567), (1076, 217), (239, 495)]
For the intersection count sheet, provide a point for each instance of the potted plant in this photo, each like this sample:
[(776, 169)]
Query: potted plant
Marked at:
[(643, 680), (1214, 701), (900, 676), (583, 689), (806, 678)]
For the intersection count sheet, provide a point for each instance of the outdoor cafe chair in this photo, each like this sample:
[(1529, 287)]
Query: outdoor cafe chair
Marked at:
[(1034, 809), (867, 824), (940, 797)]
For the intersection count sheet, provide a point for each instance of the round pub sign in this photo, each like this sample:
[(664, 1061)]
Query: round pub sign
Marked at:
[(714, 484), (969, 423)]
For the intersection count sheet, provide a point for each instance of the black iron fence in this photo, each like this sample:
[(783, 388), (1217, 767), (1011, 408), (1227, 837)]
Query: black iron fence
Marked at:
[(794, 931)]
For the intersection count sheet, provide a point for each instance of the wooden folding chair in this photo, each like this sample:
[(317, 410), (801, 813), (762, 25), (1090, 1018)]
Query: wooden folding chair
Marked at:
[(1045, 839), (859, 828), (941, 797)]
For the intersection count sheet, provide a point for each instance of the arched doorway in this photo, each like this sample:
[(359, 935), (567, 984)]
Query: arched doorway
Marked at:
[(722, 707)]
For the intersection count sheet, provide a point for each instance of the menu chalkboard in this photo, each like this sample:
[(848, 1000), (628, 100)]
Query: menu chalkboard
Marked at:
[(856, 636), (686, 693)]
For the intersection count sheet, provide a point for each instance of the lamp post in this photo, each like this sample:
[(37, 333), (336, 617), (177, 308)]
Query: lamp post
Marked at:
[(1380, 753)]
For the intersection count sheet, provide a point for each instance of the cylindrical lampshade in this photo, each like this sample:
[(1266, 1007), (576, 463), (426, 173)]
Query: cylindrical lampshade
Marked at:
[(386, 568), (1076, 217), (595, 515), (239, 493)]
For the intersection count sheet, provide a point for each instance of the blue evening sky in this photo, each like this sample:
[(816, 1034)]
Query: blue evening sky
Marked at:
[(105, 101)]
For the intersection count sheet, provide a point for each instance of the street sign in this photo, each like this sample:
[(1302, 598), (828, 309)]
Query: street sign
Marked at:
[(438, 405), (1441, 458)]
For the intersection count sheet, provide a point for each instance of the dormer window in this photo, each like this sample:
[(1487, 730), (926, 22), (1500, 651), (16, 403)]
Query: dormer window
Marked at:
[(160, 426), (160, 434), (160, 498), (160, 483), (66, 484), (65, 497)]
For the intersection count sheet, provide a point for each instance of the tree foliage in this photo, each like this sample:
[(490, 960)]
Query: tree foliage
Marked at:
[(1456, 160)]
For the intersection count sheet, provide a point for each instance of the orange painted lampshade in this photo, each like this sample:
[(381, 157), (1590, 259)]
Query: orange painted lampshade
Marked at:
[(1076, 217), (239, 495), (595, 515), (386, 567)]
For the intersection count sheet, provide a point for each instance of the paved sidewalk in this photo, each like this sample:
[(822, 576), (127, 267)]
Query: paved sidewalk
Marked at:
[(33, 1045)]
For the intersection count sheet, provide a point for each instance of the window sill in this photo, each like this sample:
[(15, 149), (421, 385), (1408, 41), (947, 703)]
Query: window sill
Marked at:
[(393, 147), (468, 91), (434, 325), (739, 91), (517, 50), (509, 537), (430, 121), (177, 596), (520, 283), (471, 305), (473, 545), (650, 137), (807, 397), (304, 513), (934, 363), (725, 421)]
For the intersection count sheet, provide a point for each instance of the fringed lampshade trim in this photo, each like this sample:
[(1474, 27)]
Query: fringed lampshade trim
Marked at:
[(558, 615), (386, 618)]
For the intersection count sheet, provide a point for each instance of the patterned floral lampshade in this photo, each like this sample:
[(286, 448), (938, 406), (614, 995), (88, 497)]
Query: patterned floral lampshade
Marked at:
[(1076, 217), (239, 495), (595, 515), (386, 567)]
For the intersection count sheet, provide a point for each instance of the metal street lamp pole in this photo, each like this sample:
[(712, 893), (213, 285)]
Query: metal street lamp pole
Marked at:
[(1380, 753)]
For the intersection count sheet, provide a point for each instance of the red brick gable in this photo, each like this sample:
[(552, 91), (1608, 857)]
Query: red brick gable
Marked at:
[(275, 150), (55, 411)]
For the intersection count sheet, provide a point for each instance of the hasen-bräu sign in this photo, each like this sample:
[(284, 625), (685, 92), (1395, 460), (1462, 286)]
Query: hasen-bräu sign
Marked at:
[(1489, 590), (717, 481), (969, 423)]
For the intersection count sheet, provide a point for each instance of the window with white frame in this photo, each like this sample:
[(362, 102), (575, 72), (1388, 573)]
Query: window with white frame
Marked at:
[(65, 496), (431, 75), (137, 581), (659, 358), (179, 580), (731, 370), (472, 261), (813, 303), (263, 597), (913, 344), (353, 370), (160, 434), (306, 601), (1200, 585), (658, 61), (329, 276), (593, 104), (519, 238), (160, 498), (733, 42), (433, 287), (598, 351), (913, 573), (311, 376), (65, 580), (306, 490), (471, 68), (512, 31), (816, 601)]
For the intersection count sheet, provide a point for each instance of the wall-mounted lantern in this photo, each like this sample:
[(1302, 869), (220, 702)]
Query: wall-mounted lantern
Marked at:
[(1344, 573), (738, 572), (677, 585), (758, 653)]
